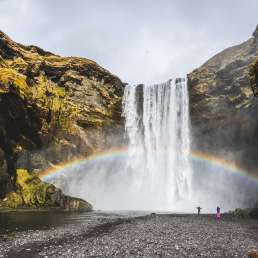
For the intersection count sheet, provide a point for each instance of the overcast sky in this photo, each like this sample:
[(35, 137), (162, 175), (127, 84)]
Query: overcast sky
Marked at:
[(138, 40)]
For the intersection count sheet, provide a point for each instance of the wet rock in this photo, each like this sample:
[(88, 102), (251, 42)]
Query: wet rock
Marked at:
[(254, 212), (33, 193), (5, 180), (76, 204)]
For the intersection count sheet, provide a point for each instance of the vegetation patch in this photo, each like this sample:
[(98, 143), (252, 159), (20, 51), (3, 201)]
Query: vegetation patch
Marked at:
[(9, 77)]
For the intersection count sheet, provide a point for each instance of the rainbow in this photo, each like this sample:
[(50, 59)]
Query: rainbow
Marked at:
[(58, 169), (198, 156), (227, 165)]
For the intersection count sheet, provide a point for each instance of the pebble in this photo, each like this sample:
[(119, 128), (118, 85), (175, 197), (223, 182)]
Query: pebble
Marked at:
[(159, 236)]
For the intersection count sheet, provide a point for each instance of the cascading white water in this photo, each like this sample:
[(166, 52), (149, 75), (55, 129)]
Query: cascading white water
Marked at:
[(157, 125), (155, 174)]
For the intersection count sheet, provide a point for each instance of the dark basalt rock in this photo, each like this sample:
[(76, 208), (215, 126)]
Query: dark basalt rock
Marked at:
[(255, 34), (5, 179), (18, 123)]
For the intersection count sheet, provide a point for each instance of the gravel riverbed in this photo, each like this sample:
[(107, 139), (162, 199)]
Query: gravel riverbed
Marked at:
[(147, 236)]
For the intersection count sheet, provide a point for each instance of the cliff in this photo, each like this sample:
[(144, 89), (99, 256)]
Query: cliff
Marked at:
[(222, 103), (52, 109), (254, 77)]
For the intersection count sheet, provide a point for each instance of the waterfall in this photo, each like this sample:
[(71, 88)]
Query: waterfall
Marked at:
[(157, 127), (156, 172)]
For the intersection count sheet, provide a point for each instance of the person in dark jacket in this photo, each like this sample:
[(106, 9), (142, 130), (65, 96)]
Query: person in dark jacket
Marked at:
[(199, 210)]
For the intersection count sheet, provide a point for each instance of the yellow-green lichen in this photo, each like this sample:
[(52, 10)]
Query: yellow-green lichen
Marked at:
[(32, 189), (13, 200), (18, 64), (3, 63), (9, 77)]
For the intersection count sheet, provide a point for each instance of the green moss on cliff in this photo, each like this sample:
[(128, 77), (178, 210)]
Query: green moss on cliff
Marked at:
[(14, 200), (9, 77), (33, 193), (32, 189), (64, 89)]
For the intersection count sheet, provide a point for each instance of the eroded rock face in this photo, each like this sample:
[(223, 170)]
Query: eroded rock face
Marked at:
[(53, 109), (254, 77), (5, 179), (222, 103)]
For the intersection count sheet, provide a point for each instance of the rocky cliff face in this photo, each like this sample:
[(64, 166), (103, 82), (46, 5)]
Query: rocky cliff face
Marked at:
[(223, 106), (52, 109), (254, 77)]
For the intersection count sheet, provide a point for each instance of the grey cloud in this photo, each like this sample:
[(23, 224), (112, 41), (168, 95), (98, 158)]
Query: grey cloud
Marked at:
[(140, 41)]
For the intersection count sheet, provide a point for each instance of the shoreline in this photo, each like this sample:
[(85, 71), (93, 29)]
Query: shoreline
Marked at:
[(24, 210)]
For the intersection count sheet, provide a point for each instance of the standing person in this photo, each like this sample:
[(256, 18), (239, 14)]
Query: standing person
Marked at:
[(199, 210), (218, 214)]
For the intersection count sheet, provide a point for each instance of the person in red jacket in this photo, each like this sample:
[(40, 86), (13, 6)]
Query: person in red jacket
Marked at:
[(218, 214)]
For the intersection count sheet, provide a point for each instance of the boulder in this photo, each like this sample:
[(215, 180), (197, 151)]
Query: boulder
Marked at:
[(32, 193)]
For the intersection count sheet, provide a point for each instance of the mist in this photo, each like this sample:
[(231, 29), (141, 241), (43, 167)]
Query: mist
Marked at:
[(158, 172)]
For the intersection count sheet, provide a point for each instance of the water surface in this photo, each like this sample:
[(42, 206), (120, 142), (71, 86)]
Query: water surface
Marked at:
[(21, 221)]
